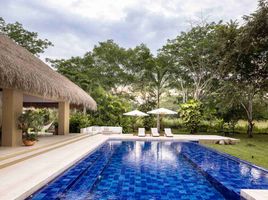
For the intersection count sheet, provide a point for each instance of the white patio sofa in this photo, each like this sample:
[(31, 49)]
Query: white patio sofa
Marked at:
[(108, 130)]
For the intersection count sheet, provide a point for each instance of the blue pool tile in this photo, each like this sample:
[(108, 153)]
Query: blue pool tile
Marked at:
[(154, 170)]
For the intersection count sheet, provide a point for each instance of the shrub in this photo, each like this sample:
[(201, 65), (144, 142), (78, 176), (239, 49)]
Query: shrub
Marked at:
[(78, 120), (110, 110), (149, 121), (191, 114), (30, 120)]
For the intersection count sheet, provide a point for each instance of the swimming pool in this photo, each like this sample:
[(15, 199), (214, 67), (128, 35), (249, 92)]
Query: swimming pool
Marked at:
[(155, 170)]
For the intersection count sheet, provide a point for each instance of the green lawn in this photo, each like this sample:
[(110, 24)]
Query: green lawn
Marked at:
[(254, 150)]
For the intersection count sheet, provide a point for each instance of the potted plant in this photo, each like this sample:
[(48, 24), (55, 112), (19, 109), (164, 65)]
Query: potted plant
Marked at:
[(29, 139), (30, 122)]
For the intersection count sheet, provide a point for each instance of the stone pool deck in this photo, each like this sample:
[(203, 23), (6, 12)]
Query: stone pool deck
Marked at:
[(254, 194), (198, 138), (25, 170)]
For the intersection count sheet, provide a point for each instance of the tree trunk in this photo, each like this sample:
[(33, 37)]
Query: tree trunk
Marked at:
[(185, 96), (250, 119), (158, 106), (249, 111), (158, 98), (84, 110), (250, 129), (197, 94)]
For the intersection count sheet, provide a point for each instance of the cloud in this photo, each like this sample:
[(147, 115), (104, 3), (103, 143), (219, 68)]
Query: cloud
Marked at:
[(75, 26)]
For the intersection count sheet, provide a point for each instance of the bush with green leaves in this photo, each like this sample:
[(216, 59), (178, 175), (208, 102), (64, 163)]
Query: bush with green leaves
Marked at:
[(30, 121), (110, 110), (78, 120), (191, 114), (149, 121)]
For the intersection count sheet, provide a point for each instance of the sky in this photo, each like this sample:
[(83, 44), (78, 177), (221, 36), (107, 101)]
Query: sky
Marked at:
[(75, 26)]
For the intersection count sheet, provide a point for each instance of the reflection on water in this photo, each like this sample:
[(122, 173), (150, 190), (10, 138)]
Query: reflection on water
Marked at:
[(244, 169), (256, 174), (151, 152), (152, 170)]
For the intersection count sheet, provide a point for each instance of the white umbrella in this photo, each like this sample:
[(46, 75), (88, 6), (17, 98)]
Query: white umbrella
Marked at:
[(161, 111), (136, 113)]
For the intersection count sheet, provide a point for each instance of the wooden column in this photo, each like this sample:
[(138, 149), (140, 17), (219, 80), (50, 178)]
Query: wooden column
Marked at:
[(64, 112), (12, 109)]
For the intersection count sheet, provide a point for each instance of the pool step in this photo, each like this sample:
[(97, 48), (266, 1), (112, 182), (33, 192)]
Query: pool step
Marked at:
[(227, 191), (20, 156), (88, 168), (229, 194), (89, 178)]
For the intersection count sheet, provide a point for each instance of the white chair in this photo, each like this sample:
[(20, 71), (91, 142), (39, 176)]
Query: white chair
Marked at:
[(141, 132), (154, 132), (168, 132)]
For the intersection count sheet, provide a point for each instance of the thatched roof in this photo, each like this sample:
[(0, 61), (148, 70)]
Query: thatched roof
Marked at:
[(20, 69)]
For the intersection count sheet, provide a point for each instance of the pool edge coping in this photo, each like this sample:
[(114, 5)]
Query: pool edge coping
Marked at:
[(111, 138), (56, 174)]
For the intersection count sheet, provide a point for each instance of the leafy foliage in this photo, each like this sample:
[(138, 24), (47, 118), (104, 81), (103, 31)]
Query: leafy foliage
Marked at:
[(222, 66), (245, 58), (78, 120), (30, 119), (193, 54), (104, 67), (191, 114), (148, 121), (24, 38), (110, 110)]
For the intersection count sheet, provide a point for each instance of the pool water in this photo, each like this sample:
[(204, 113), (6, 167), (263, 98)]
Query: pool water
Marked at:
[(155, 170)]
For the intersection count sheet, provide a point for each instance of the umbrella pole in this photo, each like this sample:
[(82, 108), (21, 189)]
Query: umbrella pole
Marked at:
[(158, 123)]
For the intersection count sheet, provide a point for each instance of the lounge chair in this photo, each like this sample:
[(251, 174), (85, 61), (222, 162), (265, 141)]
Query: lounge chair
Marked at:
[(141, 132), (154, 132), (168, 132)]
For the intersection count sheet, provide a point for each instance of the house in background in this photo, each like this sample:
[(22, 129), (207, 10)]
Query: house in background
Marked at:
[(24, 78)]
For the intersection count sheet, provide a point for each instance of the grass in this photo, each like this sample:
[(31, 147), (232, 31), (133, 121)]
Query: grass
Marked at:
[(253, 150), (260, 126)]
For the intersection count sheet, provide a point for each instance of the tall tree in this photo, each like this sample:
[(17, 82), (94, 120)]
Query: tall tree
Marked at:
[(194, 60), (80, 70), (140, 60), (152, 74), (104, 67), (24, 38), (245, 60), (112, 60)]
